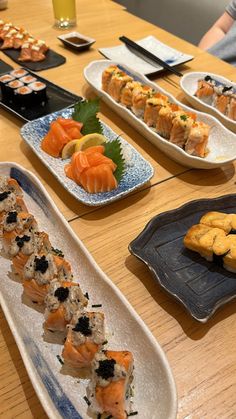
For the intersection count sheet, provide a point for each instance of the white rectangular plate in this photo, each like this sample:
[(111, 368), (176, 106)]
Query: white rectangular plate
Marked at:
[(62, 395), (221, 142), (121, 54)]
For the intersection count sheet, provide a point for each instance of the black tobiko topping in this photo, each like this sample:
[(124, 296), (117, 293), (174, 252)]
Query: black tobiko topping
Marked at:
[(82, 326), (11, 217), (21, 240), (208, 78), (41, 264), (226, 89), (57, 252), (4, 195), (62, 293), (106, 368)]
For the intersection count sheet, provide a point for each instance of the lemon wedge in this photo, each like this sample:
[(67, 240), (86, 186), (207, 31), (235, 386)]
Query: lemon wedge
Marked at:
[(69, 148), (90, 140)]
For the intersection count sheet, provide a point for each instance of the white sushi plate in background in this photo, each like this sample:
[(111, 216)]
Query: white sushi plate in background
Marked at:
[(62, 395), (221, 142), (189, 85)]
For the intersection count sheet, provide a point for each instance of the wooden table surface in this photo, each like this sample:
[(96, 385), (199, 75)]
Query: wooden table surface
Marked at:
[(202, 356)]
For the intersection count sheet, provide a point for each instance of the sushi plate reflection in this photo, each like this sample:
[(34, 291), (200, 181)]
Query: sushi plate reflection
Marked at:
[(138, 171), (62, 394), (57, 99)]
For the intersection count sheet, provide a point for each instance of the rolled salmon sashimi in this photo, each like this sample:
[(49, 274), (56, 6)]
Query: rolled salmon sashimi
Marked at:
[(107, 75), (86, 334), (117, 83), (25, 245), (92, 170), (38, 273), (152, 108), (62, 301), (111, 378), (221, 98), (15, 224), (231, 109), (205, 90)]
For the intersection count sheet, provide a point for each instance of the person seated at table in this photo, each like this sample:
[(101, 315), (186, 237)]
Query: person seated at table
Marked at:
[(220, 39)]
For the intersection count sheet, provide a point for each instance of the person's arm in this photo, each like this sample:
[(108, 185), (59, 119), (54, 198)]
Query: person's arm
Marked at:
[(217, 31)]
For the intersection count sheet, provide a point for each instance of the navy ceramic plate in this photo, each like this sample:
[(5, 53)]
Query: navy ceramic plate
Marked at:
[(138, 171), (201, 286), (4, 67), (57, 98)]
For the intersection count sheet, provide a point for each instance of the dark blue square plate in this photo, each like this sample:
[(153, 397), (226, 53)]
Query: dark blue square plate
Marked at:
[(201, 286)]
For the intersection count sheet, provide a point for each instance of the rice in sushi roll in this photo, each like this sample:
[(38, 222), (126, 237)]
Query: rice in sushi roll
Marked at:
[(39, 91)]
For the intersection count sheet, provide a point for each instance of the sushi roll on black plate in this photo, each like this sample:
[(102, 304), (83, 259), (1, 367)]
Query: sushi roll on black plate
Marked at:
[(4, 80), (28, 79), (20, 72), (39, 91), (11, 88), (24, 97)]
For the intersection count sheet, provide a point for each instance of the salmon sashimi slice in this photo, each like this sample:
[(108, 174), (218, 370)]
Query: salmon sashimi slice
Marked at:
[(85, 337), (92, 170), (111, 376)]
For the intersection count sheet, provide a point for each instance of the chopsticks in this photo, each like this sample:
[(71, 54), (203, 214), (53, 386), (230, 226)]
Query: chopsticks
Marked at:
[(148, 56)]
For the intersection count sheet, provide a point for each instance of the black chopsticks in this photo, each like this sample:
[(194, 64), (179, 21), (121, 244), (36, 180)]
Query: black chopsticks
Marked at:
[(148, 56)]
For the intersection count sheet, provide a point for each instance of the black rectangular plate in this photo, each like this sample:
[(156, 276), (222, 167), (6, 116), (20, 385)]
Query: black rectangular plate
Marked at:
[(4, 67), (58, 98), (53, 59), (201, 286)]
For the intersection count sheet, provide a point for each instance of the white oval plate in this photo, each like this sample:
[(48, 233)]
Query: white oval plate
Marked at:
[(189, 86), (62, 395), (221, 143)]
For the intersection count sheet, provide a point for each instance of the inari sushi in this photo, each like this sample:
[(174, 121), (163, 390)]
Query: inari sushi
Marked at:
[(205, 90), (140, 97), (196, 143), (85, 337), (110, 382), (152, 108), (38, 273), (127, 92), (15, 224), (226, 222), (62, 301), (107, 75), (117, 83), (165, 119), (24, 245), (181, 127)]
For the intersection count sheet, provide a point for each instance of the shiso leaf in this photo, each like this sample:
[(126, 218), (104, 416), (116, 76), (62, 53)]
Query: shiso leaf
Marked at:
[(114, 152), (86, 112)]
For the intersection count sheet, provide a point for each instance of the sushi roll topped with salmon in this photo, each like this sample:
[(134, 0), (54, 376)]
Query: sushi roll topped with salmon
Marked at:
[(85, 337), (118, 81), (107, 75), (111, 378), (62, 301)]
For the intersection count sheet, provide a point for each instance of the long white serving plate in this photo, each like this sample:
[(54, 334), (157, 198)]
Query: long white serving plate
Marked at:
[(189, 86), (221, 142), (62, 395)]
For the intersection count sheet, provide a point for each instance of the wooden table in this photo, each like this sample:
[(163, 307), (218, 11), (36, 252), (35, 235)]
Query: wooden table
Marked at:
[(202, 357)]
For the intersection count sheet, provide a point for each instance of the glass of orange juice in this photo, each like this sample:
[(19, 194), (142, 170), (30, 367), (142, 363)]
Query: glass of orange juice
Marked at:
[(64, 13)]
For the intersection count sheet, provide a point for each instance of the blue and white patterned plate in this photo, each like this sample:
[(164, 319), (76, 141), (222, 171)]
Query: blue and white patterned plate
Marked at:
[(62, 394), (138, 171)]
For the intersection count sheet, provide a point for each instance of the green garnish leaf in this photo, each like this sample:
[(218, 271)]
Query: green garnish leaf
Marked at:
[(114, 152), (86, 112)]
